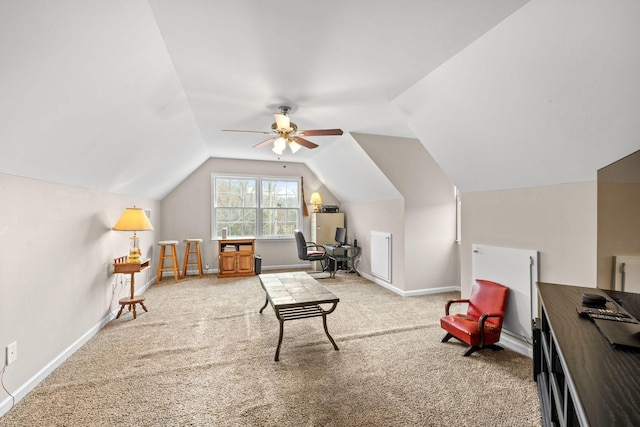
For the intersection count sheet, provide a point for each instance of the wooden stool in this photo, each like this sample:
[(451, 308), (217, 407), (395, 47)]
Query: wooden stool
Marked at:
[(196, 252), (173, 256)]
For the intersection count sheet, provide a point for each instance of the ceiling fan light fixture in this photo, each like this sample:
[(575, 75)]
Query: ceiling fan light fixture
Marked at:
[(284, 132), (279, 145), (282, 122), (294, 146)]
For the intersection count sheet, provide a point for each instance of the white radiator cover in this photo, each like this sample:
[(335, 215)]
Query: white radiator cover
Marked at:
[(381, 255), (518, 269), (625, 274)]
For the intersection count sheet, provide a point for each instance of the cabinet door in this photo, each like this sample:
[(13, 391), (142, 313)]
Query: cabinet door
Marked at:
[(227, 263), (324, 227), (245, 262)]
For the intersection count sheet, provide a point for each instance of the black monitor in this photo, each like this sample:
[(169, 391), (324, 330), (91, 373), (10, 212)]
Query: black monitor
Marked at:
[(341, 236)]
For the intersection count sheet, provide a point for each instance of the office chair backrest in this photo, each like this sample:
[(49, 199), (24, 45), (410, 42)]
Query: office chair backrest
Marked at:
[(301, 243)]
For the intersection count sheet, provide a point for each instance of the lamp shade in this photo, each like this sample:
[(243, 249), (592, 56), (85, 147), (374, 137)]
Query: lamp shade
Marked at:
[(315, 198), (133, 219)]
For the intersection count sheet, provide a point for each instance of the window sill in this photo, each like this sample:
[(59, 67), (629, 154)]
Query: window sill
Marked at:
[(258, 239)]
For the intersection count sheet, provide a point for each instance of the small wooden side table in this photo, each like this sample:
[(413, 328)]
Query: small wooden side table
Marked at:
[(120, 265)]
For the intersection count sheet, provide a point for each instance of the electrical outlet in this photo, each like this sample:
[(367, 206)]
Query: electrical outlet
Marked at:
[(12, 353), (206, 266)]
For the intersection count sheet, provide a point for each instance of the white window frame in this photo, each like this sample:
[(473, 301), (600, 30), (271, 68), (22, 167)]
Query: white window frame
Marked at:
[(458, 215), (260, 208)]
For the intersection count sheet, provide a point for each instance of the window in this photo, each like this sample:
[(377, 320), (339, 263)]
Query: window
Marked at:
[(262, 207)]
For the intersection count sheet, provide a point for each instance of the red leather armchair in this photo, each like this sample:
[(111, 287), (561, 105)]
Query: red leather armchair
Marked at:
[(480, 327)]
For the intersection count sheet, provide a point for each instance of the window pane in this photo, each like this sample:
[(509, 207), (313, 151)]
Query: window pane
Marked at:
[(279, 193), (222, 199), (279, 222), (275, 212), (235, 192)]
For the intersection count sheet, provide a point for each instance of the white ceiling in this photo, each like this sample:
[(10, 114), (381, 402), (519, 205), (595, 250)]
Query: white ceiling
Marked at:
[(130, 96), (548, 96)]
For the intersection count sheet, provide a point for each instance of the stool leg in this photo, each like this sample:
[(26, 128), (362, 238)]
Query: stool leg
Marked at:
[(199, 258), (161, 263), (185, 261), (175, 262)]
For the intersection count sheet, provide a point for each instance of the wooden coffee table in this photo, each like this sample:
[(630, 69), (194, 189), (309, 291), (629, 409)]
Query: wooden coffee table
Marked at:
[(297, 295)]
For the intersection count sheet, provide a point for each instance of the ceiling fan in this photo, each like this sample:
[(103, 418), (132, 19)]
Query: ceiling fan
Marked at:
[(284, 132)]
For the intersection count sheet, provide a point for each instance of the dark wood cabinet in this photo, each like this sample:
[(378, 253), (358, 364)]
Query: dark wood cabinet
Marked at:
[(582, 379)]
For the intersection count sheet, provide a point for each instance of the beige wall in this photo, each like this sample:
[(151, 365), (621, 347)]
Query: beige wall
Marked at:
[(386, 216), (618, 213), (187, 209), (557, 220), (56, 284), (618, 225), (429, 255)]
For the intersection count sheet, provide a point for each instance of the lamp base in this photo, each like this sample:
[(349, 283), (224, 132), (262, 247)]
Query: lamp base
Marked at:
[(134, 257), (134, 251)]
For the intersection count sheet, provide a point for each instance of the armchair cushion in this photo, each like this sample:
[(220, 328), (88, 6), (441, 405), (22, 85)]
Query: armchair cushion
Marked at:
[(467, 329)]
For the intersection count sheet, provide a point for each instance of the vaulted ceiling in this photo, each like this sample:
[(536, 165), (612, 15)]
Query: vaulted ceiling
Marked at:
[(130, 96)]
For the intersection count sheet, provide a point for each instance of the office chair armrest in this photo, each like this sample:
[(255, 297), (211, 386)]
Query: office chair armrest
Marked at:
[(481, 322), (315, 245), (451, 301)]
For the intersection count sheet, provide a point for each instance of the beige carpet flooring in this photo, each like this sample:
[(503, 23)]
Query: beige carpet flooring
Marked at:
[(203, 356)]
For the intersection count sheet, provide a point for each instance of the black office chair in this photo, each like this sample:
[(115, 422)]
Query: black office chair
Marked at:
[(310, 251)]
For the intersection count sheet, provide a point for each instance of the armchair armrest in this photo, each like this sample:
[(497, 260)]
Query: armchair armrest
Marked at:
[(452, 301), (481, 322)]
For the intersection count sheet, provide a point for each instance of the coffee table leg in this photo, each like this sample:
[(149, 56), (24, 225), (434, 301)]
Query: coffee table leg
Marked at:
[(266, 301), (280, 339), (324, 322)]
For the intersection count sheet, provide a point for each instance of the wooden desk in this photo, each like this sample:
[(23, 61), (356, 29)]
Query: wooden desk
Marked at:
[(582, 379), (339, 254), (120, 265), (297, 295)]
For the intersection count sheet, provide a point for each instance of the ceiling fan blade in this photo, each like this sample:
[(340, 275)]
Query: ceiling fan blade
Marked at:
[(252, 131), (263, 143), (320, 132), (305, 142), (282, 121)]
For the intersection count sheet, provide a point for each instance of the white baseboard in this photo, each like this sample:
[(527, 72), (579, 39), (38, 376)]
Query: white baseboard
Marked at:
[(25, 388), (263, 268), (430, 291), (417, 292), (515, 344), (5, 405), (43, 373), (287, 267)]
